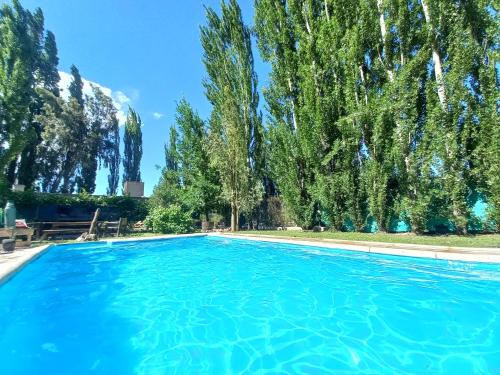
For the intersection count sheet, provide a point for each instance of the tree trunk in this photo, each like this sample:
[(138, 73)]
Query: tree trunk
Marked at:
[(326, 11), (436, 58), (234, 218), (383, 31), (362, 75), (292, 100)]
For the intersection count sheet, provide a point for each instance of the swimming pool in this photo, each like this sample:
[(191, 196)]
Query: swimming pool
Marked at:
[(214, 305)]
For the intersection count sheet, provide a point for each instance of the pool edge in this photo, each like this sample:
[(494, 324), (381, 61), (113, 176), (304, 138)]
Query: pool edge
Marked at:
[(479, 255), (152, 238), (19, 258)]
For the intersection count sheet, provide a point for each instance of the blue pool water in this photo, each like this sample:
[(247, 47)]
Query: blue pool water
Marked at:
[(211, 305)]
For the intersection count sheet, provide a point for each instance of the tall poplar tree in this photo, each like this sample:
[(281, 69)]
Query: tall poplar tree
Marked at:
[(101, 142), (19, 37), (168, 189), (61, 148), (188, 179), (235, 126), (46, 76), (378, 109), (49, 74), (278, 41), (77, 128), (171, 153), (132, 147), (112, 161), (76, 86), (199, 179)]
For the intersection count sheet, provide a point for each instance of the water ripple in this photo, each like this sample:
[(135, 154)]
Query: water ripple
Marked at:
[(217, 306)]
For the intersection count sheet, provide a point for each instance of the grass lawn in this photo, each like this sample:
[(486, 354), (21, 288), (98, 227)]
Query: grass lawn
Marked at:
[(480, 240)]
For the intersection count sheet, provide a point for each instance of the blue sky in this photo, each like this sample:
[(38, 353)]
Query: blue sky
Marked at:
[(147, 53)]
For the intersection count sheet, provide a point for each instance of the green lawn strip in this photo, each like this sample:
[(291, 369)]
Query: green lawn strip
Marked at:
[(480, 240)]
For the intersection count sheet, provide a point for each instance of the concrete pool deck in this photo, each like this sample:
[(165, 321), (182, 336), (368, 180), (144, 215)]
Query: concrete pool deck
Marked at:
[(10, 262), (468, 254)]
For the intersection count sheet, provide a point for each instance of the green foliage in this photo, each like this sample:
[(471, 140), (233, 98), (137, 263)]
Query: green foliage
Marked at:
[(60, 151), (47, 142), (198, 179), (377, 109), (188, 180), (235, 137), (76, 86), (132, 147), (49, 74), (272, 213), (172, 219), (19, 48), (101, 143), (122, 206), (382, 109)]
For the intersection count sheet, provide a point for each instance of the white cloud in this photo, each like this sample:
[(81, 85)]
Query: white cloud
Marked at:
[(158, 115), (120, 99)]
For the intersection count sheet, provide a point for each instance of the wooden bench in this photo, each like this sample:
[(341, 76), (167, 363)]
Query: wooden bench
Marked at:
[(15, 232), (113, 227), (53, 228)]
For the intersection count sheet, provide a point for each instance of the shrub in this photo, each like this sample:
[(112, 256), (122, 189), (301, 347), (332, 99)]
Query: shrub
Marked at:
[(170, 219)]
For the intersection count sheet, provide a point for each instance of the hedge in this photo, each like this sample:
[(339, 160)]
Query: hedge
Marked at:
[(122, 206)]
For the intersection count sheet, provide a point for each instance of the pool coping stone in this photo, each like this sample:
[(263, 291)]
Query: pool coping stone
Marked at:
[(467, 254), (13, 261)]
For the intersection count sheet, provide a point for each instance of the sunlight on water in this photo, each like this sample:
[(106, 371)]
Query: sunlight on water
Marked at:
[(215, 306)]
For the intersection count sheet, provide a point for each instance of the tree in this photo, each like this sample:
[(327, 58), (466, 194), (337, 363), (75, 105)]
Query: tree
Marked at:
[(61, 144), (231, 88), (113, 162), (377, 109), (19, 33), (53, 145), (168, 190), (199, 179), (76, 86), (278, 41), (101, 142), (171, 153), (63, 147), (188, 178), (76, 121), (49, 74), (132, 147)]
